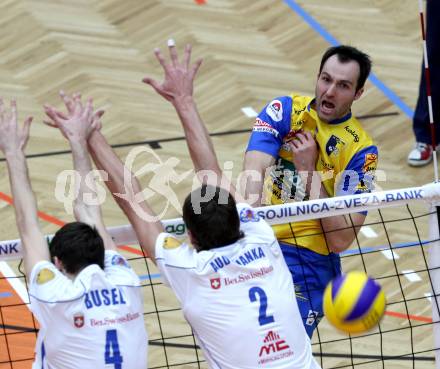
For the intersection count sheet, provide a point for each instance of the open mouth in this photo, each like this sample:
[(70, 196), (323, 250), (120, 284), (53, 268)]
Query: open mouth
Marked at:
[(327, 107)]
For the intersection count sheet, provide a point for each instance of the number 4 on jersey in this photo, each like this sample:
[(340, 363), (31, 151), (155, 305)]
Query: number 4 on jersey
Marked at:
[(112, 354)]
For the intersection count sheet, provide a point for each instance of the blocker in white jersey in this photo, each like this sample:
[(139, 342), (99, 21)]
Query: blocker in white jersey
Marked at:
[(239, 299), (95, 321)]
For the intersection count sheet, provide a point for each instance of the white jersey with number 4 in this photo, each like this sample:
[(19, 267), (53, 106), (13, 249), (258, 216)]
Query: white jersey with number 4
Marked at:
[(95, 321), (239, 299)]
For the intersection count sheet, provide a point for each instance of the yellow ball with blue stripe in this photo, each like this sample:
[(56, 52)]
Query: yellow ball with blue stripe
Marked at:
[(354, 302)]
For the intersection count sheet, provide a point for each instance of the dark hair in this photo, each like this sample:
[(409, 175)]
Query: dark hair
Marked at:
[(214, 222), (347, 53), (77, 245)]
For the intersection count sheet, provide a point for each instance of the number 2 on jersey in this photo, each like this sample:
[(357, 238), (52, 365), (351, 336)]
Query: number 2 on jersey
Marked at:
[(112, 354), (262, 318)]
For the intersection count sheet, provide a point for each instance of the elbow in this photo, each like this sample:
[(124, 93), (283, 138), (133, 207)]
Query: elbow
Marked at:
[(337, 244)]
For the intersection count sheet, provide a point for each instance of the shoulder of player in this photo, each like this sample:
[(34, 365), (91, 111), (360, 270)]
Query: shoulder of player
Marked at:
[(277, 113), (171, 251)]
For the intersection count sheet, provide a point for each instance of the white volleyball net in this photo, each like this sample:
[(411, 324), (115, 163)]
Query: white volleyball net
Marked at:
[(398, 246)]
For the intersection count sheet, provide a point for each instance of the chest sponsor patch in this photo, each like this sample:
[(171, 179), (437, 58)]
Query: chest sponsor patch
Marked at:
[(171, 243), (45, 275), (275, 110), (78, 320), (370, 163), (334, 145)]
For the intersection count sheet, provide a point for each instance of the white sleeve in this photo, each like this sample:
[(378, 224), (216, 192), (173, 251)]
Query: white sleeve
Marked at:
[(256, 229), (176, 261), (251, 223), (47, 283), (118, 270)]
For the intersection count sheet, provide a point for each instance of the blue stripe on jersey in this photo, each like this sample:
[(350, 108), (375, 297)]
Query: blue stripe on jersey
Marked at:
[(348, 182), (43, 355), (267, 134)]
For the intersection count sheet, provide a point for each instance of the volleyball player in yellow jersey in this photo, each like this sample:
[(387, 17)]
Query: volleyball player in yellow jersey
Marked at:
[(314, 148), (301, 135)]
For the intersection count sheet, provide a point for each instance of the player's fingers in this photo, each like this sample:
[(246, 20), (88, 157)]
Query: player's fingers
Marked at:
[(293, 145), (196, 67), (153, 83), (160, 58), (14, 109), (26, 126), (300, 138), (308, 136), (53, 114), (98, 114), (68, 102), (88, 110), (173, 52), (187, 56), (50, 123)]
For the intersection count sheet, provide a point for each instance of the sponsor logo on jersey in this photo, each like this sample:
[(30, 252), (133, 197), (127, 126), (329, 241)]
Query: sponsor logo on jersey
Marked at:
[(170, 243), (262, 126), (45, 275), (248, 215), (78, 320), (299, 123), (177, 229), (274, 348), (275, 110), (96, 298), (361, 187), (9, 248), (248, 276), (333, 146), (299, 111), (119, 260), (370, 163), (326, 167), (299, 294), (114, 320), (313, 317), (216, 283), (353, 133)]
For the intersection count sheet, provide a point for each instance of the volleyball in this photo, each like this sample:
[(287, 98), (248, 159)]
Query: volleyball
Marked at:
[(354, 302)]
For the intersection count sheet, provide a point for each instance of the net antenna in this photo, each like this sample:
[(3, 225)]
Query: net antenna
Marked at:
[(428, 90), (434, 225)]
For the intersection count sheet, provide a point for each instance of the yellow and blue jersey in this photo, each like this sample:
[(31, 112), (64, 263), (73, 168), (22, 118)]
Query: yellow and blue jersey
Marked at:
[(347, 160)]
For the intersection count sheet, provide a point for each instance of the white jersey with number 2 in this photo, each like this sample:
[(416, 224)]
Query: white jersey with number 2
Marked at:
[(95, 321), (239, 299)]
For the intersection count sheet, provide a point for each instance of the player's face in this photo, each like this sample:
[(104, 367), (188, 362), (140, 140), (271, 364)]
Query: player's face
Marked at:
[(336, 88)]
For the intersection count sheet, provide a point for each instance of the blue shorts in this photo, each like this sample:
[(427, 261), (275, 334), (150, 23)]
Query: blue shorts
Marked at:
[(311, 272)]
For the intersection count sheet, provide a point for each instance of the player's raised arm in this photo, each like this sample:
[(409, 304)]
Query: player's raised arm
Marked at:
[(13, 140), (177, 88), (127, 193), (77, 125)]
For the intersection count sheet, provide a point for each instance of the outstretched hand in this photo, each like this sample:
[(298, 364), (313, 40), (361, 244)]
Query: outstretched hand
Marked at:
[(12, 137), (178, 76), (79, 121)]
